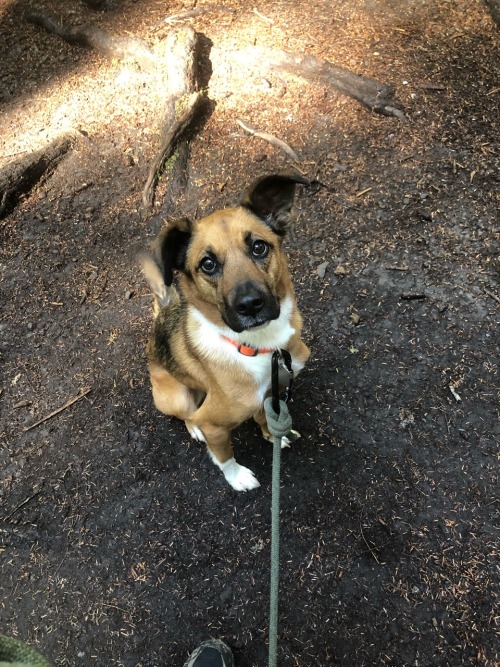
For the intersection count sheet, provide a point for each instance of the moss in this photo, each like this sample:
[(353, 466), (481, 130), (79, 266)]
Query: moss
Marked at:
[(168, 165)]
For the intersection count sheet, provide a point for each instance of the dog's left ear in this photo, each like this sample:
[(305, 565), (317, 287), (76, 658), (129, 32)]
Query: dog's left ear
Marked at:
[(271, 199), (170, 248)]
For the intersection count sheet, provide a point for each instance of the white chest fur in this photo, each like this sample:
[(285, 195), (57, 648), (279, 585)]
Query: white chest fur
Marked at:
[(208, 340)]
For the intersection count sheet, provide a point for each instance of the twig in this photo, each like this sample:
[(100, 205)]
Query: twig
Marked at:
[(83, 392), (60, 564), (114, 606), (188, 14), (493, 296), (338, 200), (270, 138), (397, 268), (25, 502), (413, 297), (14, 154), (431, 86), (261, 16), (369, 547)]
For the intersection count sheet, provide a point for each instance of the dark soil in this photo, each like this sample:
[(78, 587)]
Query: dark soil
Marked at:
[(120, 542)]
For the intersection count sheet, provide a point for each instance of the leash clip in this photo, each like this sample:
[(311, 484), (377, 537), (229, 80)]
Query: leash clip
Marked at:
[(281, 376)]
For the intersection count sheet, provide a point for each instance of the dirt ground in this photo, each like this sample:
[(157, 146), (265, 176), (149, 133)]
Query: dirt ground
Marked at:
[(120, 542)]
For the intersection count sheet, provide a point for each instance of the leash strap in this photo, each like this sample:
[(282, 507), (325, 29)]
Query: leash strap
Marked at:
[(279, 424), (281, 374), (14, 653)]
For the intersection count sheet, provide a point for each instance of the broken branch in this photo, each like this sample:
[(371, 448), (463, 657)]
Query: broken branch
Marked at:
[(493, 296), (270, 138), (83, 392), (25, 502)]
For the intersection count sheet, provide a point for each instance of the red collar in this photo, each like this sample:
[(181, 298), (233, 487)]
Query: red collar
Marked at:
[(246, 350)]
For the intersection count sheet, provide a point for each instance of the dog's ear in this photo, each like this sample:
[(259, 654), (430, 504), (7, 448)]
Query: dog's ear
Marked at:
[(170, 248), (271, 199)]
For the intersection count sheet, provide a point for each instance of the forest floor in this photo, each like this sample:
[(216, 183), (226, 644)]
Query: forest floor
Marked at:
[(120, 543)]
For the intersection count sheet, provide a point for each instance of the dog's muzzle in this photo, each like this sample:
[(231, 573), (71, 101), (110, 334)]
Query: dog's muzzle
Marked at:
[(249, 306)]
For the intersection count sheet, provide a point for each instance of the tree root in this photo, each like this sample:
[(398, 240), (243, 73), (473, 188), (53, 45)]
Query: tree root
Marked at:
[(20, 177), (94, 38), (376, 96), (180, 108)]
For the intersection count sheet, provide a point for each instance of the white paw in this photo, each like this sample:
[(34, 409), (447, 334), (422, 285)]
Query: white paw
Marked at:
[(286, 441), (239, 477), (195, 432)]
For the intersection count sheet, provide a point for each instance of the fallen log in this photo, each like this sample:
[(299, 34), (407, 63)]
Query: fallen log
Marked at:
[(181, 105), (20, 177), (92, 37), (371, 93)]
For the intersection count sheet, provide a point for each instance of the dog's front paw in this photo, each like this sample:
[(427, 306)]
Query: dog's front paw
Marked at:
[(287, 440), (239, 477), (195, 431)]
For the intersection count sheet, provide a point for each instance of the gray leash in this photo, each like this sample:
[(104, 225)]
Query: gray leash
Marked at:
[(14, 653), (279, 424)]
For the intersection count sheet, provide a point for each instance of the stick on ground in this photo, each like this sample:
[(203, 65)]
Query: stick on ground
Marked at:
[(270, 138), (83, 392)]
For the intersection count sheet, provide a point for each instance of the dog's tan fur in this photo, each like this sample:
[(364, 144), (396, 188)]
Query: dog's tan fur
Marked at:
[(196, 374)]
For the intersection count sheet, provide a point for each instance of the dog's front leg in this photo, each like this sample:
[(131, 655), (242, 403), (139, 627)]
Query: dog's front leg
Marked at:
[(286, 441), (260, 418), (218, 441)]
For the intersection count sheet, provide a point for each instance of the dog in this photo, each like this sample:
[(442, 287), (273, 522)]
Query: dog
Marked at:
[(210, 350)]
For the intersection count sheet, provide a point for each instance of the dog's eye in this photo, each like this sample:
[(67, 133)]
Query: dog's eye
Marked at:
[(208, 265), (260, 249)]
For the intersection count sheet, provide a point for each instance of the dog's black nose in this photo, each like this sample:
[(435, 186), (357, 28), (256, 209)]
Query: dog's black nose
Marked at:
[(250, 304), (248, 299)]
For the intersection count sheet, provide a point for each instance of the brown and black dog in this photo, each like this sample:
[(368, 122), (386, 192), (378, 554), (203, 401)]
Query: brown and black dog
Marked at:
[(210, 350)]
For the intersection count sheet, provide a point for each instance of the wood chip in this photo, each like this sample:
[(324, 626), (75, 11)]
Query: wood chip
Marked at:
[(321, 269)]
